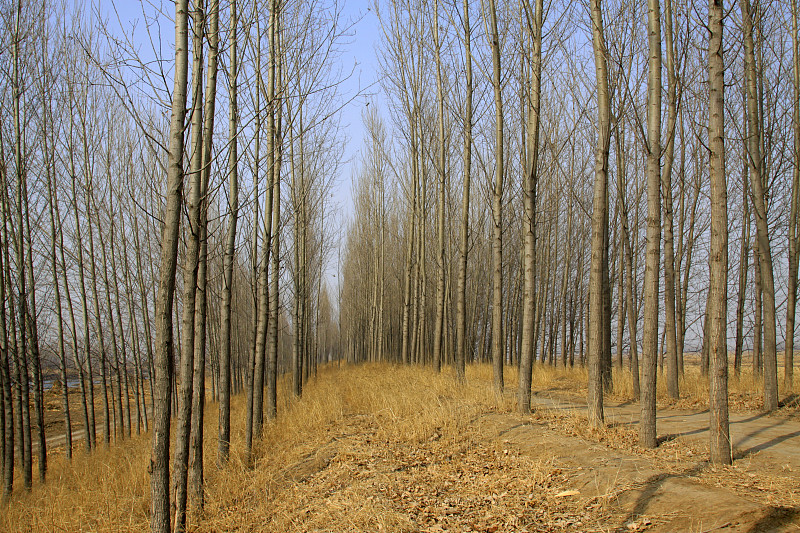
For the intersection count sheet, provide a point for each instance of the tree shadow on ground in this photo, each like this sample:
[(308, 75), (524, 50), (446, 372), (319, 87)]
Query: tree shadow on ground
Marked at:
[(768, 444), (653, 484), (793, 400), (775, 518)]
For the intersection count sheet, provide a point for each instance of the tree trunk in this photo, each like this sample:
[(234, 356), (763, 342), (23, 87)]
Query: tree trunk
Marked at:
[(5, 354), (223, 450), (529, 190), (163, 364), (440, 204), (647, 426), (190, 273), (597, 319), (274, 149), (498, 339), (744, 255), (196, 479), (720, 444), (757, 181), (670, 326), (791, 299)]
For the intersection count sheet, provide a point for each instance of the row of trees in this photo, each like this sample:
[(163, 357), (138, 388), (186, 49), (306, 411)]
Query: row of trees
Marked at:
[(100, 256), (601, 192)]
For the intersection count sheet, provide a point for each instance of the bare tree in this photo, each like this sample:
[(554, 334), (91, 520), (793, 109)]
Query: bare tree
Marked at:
[(530, 182), (754, 155), (498, 340), (461, 311), (159, 467), (647, 425), (191, 265), (791, 301), (720, 444), (230, 245), (598, 321)]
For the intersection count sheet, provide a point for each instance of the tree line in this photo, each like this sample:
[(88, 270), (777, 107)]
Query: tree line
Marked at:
[(606, 184), (140, 294), (535, 171)]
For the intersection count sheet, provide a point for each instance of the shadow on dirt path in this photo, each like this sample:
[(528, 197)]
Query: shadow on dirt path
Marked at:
[(654, 491), (776, 440)]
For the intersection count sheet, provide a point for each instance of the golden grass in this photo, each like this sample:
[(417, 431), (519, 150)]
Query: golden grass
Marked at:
[(745, 390), (367, 448)]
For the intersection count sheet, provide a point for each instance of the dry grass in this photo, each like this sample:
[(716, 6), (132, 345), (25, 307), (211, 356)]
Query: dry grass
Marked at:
[(367, 448), (745, 389)]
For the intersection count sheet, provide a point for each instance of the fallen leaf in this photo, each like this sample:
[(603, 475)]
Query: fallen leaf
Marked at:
[(568, 493)]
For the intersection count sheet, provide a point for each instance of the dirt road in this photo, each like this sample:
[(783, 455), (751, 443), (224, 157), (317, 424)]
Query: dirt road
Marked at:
[(672, 488)]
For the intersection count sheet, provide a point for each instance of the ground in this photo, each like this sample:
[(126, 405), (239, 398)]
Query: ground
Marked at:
[(385, 448)]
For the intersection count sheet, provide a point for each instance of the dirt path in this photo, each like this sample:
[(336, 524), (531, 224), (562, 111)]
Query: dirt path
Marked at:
[(772, 441), (672, 488)]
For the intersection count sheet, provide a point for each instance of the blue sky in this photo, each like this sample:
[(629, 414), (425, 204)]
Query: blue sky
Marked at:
[(359, 54)]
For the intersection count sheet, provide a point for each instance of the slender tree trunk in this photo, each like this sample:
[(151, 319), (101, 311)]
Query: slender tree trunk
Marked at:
[(757, 180), (597, 320), (223, 450), (409, 281), (621, 309), (670, 326), (274, 150), (720, 444), (647, 426), (23, 371), (159, 465), (791, 299), (498, 339), (744, 255), (141, 412), (530, 184), (190, 273), (255, 414), (120, 363), (438, 333), (758, 319), (196, 476), (5, 355), (89, 201)]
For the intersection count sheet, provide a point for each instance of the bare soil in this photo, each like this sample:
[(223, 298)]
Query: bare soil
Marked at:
[(672, 488)]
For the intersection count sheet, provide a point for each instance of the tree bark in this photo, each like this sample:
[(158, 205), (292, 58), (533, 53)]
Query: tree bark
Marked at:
[(190, 272), (438, 333), (720, 444), (670, 326), (529, 190), (757, 181), (791, 299), (163, 364), (498, 339), (597, 319), (223, 450), (744, 256), (647, 426)]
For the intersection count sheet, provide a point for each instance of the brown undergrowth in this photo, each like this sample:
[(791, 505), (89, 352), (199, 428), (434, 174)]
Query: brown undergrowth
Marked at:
[(367, 448)]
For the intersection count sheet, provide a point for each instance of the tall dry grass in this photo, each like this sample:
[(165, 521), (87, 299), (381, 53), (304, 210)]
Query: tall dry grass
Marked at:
[(109, 490), (346, 417)]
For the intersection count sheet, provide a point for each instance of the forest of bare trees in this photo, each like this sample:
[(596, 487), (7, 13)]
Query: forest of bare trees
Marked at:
[(607, 164), (600, 184)]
